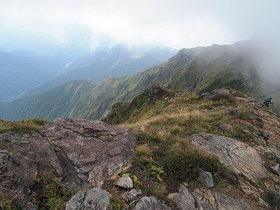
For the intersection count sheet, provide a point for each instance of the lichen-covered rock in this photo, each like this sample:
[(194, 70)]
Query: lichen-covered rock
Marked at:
[(83, 153), (125, 181), (95, 198), (184, 199), (150, 203), (236, 155)]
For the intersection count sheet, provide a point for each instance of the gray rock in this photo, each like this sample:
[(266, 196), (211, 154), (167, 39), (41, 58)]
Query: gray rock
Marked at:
[(125, 181), (95, 198), (236, 155), (83, 153), (265, 134), (156, 92), (150, 203), (184, 199), (208, 199), (132, 194), (216, 93), (224, 127), (206, 178), (276, 169), (271, 153)]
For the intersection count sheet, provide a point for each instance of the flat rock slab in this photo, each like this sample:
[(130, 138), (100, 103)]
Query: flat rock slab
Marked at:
[(237, 156)]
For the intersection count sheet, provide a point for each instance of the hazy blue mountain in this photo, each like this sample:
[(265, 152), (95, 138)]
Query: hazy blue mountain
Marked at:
[(117, 61), (21, 73)]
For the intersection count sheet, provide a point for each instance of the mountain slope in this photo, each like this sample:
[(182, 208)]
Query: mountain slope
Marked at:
[(118, 61), (178, 133), (63, 101), (198, 70)]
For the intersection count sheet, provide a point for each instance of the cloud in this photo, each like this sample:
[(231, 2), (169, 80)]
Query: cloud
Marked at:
[(174, 23)]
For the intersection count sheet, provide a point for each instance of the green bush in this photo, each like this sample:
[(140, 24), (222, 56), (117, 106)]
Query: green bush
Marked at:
[(184, 165), (117, 203), (53, 194)]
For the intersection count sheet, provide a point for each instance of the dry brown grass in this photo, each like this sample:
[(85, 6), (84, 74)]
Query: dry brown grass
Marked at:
[(143, 150)]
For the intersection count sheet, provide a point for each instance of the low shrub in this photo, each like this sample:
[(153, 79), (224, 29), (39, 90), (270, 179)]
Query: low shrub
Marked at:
[(53, 194), (117, 204)]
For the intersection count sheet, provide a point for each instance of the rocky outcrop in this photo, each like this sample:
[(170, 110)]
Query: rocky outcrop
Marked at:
[(95, 198), (150, 203), (237, 156), (82, 153)]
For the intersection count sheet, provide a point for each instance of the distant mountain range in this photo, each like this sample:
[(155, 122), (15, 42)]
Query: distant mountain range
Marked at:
[(197, 70), (19, 74), (117, 61)]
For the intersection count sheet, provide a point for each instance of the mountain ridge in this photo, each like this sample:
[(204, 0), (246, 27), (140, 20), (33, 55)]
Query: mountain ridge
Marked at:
[(197, 70)]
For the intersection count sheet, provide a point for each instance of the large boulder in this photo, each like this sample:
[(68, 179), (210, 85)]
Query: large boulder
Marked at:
[(83, 153), (94, 199), (91, 151), (237, 156)]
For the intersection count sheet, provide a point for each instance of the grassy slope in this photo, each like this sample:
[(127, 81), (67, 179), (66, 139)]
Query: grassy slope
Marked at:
[(164, 158)]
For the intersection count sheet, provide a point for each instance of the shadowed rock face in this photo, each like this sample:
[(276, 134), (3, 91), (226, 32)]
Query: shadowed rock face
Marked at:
[(84, 153), (238, 156)]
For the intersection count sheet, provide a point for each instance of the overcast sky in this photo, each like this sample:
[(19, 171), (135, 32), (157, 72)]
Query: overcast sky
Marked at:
[(173, 23)]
